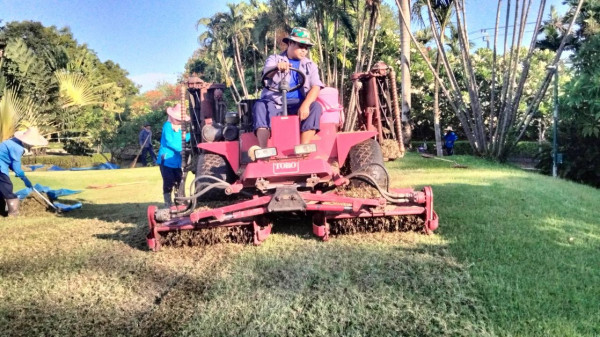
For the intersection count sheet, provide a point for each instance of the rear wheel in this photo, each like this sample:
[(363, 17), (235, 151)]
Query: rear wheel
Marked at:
[(214, 165), (367, 157)]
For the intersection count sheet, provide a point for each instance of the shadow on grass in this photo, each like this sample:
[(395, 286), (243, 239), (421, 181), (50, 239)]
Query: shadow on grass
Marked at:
[(130, 219), (529, 245), (98, 292), (135, 217)]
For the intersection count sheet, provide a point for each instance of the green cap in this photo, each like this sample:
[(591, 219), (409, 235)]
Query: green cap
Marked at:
[(300, 35)]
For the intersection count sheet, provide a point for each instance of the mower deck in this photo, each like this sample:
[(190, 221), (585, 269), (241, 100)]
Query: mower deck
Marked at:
[(323, 207)]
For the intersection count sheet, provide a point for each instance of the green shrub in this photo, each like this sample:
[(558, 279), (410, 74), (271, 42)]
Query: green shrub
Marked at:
[(528, 149), (523, 149), (65, 161), (77, 144), (460, 147)]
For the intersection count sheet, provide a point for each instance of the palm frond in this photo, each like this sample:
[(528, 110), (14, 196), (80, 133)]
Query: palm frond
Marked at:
[(76, 90), (16, 113)]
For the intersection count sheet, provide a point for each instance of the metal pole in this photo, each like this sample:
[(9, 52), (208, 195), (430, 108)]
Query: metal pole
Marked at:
[(181, 190), (555, 131)]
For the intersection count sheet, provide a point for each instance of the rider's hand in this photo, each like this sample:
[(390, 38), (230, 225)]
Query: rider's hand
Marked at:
[(283, 66), (304, 111)]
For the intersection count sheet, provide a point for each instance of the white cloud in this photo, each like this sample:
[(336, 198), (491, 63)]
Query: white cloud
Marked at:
[(148, 81)]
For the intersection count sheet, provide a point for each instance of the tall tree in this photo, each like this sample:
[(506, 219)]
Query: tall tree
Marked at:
[(71, 88), (512, 122), (404, 6), (552, 30), (442, 12)]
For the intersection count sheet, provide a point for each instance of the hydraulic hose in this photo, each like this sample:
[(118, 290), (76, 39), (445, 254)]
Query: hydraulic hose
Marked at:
[(391, 197), (194, 197)]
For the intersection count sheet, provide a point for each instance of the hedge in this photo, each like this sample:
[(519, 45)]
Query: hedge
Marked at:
[(523, 149), (65, 161), (460, 147)]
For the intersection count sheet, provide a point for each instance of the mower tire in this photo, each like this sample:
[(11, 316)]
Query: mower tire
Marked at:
[(213, 165), (367, 157)]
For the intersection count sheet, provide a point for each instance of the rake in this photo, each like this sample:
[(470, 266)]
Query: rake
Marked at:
[(455, 164), (46, 200)]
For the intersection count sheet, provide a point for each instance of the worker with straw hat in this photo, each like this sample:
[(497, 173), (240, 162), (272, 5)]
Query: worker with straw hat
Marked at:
[(169, 154), (11, 151), (449, 140)]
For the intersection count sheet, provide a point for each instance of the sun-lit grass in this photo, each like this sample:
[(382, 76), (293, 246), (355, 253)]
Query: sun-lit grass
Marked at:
[(516, 254)]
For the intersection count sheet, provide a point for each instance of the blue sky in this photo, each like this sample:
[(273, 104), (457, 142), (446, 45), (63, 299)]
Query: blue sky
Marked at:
[(152, 39)]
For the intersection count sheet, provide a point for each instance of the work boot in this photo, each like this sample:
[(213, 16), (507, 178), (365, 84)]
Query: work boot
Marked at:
[(13, 207), (168, 201), (263, 135), (3, 207)]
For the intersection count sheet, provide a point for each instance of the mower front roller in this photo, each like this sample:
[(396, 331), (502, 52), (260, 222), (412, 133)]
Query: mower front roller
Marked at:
[(324, 207), (420, 207)]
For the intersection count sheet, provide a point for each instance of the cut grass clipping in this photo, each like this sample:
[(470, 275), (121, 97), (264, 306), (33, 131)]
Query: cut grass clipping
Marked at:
[(33, 205), (209, 236), (390, 149)]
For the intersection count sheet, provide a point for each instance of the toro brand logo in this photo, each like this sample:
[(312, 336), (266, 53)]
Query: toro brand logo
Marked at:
[(285, 167)]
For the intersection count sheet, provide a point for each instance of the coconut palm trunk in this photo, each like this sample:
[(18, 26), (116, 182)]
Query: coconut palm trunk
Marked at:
[(436, 110), (239, 66), (405, 74)]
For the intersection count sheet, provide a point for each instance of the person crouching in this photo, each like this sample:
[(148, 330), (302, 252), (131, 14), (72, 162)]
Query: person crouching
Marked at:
[(11, 151)]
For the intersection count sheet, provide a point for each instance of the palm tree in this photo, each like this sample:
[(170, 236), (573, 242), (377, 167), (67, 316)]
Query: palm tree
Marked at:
[(213, 40), (16, 113), (235, 28), (277, 23), (238, 28), (76, 90), (404, 6), (442, 11), (553, 29)]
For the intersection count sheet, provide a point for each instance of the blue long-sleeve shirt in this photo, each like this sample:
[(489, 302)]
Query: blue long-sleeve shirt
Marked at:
[(11, 151), (450, 138), (169, 153), (145, 134)]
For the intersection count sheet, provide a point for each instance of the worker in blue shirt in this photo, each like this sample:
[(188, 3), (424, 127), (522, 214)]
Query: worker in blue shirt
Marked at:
[(11, 151), (449, 139), (145, 140), (169, 154)]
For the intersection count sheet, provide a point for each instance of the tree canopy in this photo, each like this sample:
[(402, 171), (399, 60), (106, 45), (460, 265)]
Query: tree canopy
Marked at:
[(50, 80)]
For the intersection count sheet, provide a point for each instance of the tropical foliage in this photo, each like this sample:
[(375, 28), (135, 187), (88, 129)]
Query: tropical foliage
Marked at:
[(579, 109), (497, 99), (49, 80)]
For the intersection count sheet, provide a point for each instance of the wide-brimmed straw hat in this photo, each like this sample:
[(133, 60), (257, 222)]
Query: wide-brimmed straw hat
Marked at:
[(300, 35), (31, 137), (175, 112), (449, 129)]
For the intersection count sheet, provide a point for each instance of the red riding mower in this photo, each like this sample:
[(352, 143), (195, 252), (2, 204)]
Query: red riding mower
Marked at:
[(316, 180)]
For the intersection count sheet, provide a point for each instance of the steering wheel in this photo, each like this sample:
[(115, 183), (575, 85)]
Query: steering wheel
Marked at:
[(283, 84)]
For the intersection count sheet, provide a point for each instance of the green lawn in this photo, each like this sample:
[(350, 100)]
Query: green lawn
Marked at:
[(516, 254)]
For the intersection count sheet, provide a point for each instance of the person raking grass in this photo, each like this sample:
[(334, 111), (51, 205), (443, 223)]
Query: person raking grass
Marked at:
[(145, 140), (449, 140), (11, 151)]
